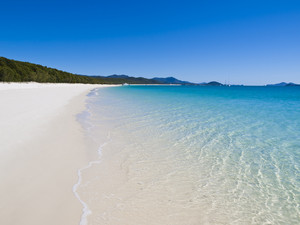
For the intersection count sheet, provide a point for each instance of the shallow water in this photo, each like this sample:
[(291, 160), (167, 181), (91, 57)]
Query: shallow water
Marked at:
[(193, 155)]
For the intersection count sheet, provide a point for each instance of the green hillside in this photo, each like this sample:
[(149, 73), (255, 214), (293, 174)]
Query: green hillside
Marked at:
[(17, 71)]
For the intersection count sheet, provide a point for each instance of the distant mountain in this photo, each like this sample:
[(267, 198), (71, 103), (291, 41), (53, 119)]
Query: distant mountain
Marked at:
[(292, 84), (212, 83), (117, 76), (279, 84), (17, 71), (170, 80), (121, 79), (166, 80), (283, 84)]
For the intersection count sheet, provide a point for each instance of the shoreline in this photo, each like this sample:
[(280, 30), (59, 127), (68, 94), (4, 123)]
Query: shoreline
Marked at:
[(43, 148)]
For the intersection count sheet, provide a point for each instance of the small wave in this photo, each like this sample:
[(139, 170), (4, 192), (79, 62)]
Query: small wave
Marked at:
[(93, 92), (86, 210)]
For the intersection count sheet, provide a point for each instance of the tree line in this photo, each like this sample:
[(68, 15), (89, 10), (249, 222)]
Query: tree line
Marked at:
[(17, 71)]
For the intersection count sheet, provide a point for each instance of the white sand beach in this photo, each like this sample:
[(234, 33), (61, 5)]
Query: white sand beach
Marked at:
[(42, 147)]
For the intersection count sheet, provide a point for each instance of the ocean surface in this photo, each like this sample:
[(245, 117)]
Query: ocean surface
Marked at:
[(184, 155)]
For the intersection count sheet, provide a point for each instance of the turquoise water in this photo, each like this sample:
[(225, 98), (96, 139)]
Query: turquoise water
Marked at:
[(194, 155)]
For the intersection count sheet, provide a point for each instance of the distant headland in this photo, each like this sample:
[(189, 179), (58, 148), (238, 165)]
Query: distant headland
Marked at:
[(18, 71)]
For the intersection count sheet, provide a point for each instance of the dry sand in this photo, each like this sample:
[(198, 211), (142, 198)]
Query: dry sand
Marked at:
[(42, 147)]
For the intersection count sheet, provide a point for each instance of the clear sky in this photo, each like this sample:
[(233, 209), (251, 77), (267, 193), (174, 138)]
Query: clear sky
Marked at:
[(241, 42)]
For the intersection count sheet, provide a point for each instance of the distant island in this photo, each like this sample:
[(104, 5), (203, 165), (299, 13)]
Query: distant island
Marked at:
[(173, 80), (283, 84), (18, 71)]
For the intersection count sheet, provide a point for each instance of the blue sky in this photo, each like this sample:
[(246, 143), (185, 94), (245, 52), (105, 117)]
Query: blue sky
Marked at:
[(241, 42)]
